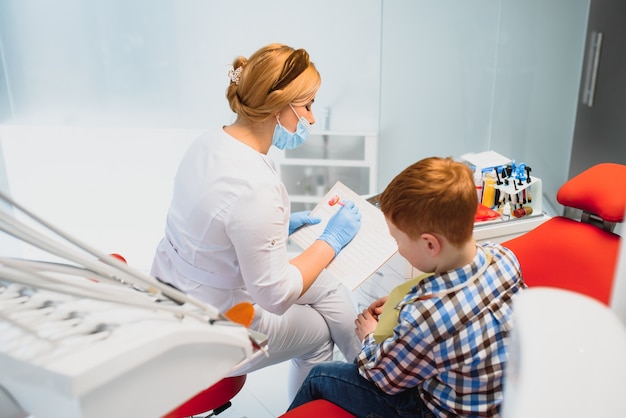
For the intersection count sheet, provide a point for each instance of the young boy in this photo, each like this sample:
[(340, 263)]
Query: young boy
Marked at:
[(438, 345)]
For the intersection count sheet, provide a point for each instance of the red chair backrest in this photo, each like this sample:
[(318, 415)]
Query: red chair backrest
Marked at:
[(568, 254), (574, 255)]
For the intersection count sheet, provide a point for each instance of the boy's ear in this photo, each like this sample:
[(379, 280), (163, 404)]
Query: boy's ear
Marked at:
[(432, 243)]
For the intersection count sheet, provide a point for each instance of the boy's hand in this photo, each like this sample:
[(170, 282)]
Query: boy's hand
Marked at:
[(376, 308), (364, 324)]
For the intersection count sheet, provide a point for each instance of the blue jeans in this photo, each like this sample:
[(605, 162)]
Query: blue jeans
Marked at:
[(341, 384)]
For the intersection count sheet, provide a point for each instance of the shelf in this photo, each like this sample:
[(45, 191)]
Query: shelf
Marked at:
[(323, 162), (326, 157), (503, 230)]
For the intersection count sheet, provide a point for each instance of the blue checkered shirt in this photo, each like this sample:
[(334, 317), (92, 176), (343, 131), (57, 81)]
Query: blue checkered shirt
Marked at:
[(451, 347)]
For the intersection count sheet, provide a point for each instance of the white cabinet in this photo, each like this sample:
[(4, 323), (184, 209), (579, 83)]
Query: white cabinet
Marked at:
[(310, 170)]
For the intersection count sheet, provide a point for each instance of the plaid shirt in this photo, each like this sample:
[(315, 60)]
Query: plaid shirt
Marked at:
[(452, 347)]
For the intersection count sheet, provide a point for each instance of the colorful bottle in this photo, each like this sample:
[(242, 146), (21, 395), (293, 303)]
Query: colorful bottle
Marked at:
[(478, 181), (523, 211), (489, 191)]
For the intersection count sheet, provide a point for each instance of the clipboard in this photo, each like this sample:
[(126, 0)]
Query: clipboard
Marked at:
[(368, 251)]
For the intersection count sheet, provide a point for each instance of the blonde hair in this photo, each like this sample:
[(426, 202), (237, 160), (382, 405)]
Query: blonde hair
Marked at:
[(273, 77), (433, 195)]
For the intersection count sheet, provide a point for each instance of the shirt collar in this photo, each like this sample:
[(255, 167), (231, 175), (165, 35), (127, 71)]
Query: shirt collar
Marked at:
[(441, 282)]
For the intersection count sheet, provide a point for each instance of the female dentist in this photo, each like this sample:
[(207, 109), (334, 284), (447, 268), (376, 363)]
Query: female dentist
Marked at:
[(228, 223)]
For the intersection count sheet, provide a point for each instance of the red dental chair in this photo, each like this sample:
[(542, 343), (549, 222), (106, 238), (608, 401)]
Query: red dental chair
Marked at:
[(578, 255), (318, 408), (216, 398)]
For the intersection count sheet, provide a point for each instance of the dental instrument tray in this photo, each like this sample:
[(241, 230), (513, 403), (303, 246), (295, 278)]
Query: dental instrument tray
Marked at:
[(88, 336)]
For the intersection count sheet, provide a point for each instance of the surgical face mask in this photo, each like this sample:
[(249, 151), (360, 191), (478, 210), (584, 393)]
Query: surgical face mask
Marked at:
[(283, 139)]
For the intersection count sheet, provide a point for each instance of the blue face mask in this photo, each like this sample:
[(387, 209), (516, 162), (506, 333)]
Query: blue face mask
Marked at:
[(283, 139)]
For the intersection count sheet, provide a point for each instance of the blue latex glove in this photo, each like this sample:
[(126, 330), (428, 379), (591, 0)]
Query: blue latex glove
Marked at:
[(298, 219), (342, 227)]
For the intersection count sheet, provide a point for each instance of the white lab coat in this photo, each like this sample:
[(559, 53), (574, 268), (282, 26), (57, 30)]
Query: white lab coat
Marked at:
[(226, 242)]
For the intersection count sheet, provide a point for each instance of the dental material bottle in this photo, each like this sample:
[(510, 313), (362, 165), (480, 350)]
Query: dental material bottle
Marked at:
[(489, 191)]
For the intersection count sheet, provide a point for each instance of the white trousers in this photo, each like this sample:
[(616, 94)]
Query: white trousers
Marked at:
[(308, 331)]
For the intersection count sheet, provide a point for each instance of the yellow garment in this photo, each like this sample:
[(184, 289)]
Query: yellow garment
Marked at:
[(388, 319)]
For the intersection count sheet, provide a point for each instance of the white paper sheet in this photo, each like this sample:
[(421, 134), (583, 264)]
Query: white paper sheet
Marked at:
[(372, 246)]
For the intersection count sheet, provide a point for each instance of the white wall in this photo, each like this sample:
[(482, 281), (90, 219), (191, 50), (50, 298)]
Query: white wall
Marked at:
[(106, 96), (540, 58), (433, 78), (469, 76), (164, 63), (107, 187), (437, 80)]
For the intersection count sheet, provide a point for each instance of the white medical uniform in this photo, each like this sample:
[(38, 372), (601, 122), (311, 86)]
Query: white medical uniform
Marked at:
[(225, 243)]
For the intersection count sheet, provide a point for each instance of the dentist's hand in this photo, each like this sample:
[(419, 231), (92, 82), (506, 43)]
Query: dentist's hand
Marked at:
[(342, 227), (298, 219)]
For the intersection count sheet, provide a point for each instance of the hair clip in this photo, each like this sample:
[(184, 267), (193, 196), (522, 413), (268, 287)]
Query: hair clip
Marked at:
[(234, 75)]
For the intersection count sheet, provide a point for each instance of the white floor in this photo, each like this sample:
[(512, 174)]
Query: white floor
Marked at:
[(263, 396)]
